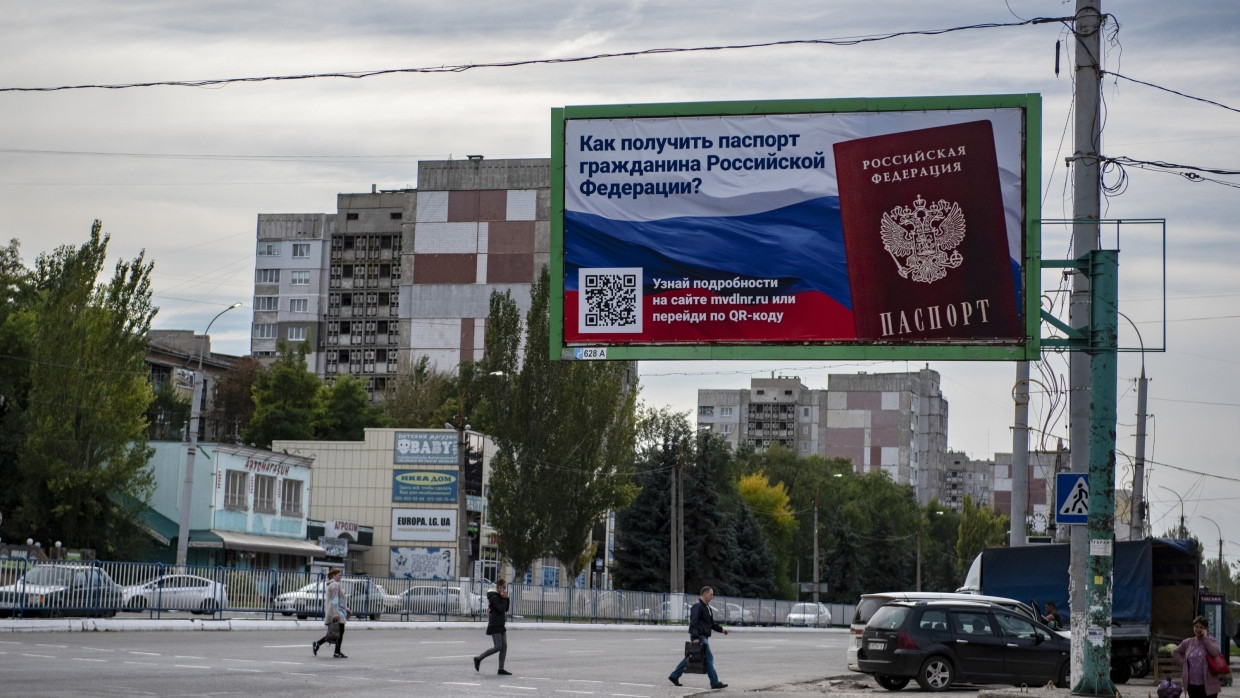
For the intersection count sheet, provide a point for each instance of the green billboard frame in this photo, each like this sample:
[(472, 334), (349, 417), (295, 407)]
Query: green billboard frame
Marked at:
[(1028, 349)]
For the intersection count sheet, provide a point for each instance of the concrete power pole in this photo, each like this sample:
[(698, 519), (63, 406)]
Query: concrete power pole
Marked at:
[(1137, 505), (1020, 458), (1092, 562)]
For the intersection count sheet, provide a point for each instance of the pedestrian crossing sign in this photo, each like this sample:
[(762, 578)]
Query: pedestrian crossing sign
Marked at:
[(1072, 498)]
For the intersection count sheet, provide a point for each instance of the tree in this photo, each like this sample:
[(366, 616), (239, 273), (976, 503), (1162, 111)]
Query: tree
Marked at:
[(564, 432), (233, 405), (776, 521), (83, 434), (416, 394), (753, 568), (284, 399), (642, 547), (709, 540), (168, 414), (342, 411), (980, 527)]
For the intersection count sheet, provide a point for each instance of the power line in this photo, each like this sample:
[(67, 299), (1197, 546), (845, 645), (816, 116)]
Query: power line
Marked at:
[(358, 75), (1168, 89)]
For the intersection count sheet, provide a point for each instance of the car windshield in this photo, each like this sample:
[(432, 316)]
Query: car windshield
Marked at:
[(889, 617), (50, 576)]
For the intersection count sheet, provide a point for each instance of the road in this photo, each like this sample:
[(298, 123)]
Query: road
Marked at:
[(627, 662)]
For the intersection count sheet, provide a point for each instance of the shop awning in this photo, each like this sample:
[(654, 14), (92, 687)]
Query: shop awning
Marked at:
[(234, 540)]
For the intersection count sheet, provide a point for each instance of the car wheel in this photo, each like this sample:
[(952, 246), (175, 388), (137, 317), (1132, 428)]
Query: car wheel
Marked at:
[(892, 683), (936, 674), (302, 616), (1139, 668), (137, 603), (1064, 674), (1121, 672), (209, 606), (374, 616), (286, 613)]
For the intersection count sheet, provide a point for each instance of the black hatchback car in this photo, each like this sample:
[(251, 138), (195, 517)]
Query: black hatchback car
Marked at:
[(940, 643)]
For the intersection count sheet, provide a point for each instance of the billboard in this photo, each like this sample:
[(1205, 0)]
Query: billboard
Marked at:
[(424, 486), (433, 564), (424, 524), (901, 228), (425, 447)]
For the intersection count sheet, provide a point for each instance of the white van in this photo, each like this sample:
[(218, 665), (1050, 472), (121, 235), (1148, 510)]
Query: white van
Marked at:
[(869, 603)]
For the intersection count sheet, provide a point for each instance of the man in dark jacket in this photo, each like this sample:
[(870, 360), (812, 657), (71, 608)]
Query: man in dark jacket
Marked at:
[(701, 623), (497, 615)]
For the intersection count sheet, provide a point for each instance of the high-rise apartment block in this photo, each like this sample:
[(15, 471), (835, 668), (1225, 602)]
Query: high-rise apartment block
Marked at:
[(395, 275), (896, 422)]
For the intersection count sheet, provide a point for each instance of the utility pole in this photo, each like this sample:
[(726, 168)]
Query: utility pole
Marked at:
[(1091, 573), (1137, 506), (1020, 462), (676, 529), (816, 549)]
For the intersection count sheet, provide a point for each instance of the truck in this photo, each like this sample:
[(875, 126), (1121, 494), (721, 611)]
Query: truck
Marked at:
[(1154, 595)]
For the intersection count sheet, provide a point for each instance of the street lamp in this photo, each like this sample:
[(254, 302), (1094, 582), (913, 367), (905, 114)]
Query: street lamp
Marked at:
[(462, 531), (188, 490), (1182, 532)]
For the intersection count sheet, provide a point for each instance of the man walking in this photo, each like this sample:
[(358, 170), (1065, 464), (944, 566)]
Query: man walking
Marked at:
[(701, 623)]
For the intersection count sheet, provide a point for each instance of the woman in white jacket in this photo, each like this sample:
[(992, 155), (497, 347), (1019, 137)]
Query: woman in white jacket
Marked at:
[(334, 609)]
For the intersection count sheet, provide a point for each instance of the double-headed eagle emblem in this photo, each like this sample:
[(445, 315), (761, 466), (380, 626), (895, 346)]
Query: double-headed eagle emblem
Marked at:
[(923, 239)]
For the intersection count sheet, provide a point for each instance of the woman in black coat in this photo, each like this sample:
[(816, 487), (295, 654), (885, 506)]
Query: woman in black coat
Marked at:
[(497, 616)]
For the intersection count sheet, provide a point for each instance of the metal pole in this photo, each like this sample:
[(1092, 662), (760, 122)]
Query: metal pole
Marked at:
[(462, 538), (815, 549), (187, 490)]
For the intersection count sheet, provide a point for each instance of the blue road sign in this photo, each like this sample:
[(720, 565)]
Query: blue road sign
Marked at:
[(1072, 498)]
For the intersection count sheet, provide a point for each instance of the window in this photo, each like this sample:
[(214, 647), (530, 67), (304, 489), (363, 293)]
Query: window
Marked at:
[(290, 499), (727, 428), (299, 305), (266, 302), (265, 493), (264, 331), (350, 216), (706, 411), (550, 574), (725, 411), (268, 276), (297, 334), (299, 278), (269, 249), (396, 215), (804, 411), (301, 249), (234, 489)]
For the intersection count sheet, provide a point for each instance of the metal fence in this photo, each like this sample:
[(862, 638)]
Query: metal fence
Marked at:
[(54, 588)]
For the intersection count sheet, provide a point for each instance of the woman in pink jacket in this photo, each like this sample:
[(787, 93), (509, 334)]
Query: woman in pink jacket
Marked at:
[(1191, 654)]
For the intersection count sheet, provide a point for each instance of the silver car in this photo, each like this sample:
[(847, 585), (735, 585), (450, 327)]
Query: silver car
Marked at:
[(177, 592), (813, 615)]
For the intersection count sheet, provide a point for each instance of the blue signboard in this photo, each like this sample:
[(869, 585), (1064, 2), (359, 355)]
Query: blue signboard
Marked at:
[(424, 486), (1072, 498), (425, 448)]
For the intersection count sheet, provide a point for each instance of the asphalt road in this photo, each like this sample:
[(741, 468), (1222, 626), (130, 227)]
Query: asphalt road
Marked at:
[(405, 660)]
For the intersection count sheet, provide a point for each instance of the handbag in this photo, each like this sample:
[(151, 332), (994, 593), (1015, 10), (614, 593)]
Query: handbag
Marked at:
[(695, 658), (1218, 665), (334, 629)]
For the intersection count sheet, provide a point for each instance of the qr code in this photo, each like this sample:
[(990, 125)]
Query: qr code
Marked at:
[(609, 300)]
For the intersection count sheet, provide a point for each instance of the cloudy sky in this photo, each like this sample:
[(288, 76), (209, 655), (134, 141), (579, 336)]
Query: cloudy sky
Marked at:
[(183, 171)]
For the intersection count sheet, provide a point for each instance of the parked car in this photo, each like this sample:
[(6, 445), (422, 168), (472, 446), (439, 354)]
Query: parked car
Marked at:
[(941, 643), (433, 599), (177, 592), (868, 604), (364, 597), (61, 590), (733, 614), (814, 615), (665, 612)]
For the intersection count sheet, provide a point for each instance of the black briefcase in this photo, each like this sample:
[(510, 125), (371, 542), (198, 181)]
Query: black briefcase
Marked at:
[(695, 658)]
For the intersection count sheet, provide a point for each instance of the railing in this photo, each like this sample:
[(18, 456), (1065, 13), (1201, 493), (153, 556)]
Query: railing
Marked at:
[(53, 588)]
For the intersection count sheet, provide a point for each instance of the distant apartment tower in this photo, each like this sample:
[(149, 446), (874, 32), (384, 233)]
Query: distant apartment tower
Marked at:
[(773, 410), (962, 477), (396, 275), (894, 422)]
